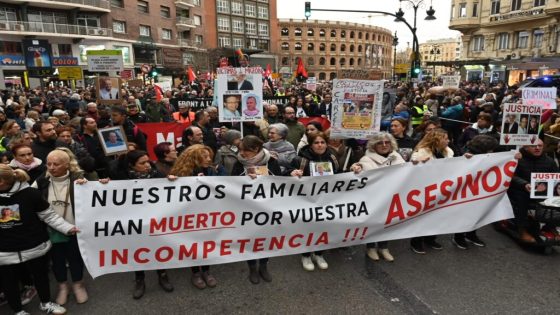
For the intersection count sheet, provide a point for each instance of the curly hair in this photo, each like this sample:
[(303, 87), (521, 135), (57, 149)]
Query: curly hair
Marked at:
[(432, 140), (190, 159), (380, 136), (67, 157)]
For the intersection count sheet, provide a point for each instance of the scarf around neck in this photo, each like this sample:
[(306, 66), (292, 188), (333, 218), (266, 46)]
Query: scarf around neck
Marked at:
[(27, 167), (258, 160)]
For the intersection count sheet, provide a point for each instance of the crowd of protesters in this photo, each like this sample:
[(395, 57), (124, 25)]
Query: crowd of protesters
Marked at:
[(49, 143)]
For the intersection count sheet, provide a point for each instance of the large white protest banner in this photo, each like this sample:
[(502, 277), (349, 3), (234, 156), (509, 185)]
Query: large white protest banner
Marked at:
[(159, 224), (544, 96), (239, 94), (520, 124), (356, 111)]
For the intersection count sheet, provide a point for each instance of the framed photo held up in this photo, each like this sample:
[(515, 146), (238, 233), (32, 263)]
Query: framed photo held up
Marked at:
[(113, 140), (108, 90)]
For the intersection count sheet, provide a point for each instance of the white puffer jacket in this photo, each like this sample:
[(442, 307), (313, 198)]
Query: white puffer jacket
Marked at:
[(372, 160)]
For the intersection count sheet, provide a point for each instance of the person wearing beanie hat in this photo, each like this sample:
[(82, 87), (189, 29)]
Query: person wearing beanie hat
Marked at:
[(227, 153)]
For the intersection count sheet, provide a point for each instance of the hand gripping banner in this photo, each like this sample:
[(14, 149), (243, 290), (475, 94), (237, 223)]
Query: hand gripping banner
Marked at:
[(159, 224)]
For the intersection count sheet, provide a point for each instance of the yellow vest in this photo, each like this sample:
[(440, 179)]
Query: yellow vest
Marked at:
[(418, 120)]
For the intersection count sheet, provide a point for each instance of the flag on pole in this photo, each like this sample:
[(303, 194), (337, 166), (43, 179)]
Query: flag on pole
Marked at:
[(301, 69), (240, 54), (268, 71), (159, 93), (191, 75)]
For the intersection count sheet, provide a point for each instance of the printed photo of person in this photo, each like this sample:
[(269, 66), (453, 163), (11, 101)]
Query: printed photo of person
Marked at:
[(108, 88), (510, 124), (8, 214), (250, 105), (114, 141), (533, 128), (556, 192), (541, 189), (231, 106), (523, 125), (239, 82), (321, 168)]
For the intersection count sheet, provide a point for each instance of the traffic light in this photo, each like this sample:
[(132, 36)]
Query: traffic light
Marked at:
[(416, 70), (307, 10), (154, 72)]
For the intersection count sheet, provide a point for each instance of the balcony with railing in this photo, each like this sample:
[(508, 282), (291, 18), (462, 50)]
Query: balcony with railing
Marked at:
[(71, 30), (185, 22), (85, 5), (185, 3)]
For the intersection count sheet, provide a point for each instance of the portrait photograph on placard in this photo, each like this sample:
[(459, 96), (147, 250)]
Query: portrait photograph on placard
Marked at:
[(108, 90), (113, 140), (321, 168), (556, 191), (252, 106), (231, 109), (240, 81)]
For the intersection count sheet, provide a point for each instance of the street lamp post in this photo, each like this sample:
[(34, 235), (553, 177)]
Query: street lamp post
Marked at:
[(435, 51), (399, 17), (395, 44), (415, 4)]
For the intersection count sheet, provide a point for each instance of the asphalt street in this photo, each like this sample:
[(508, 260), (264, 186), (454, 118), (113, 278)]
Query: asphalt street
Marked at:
[(502, 278)]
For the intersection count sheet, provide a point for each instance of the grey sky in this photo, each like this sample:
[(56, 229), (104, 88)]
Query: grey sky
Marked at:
[(426, 29)]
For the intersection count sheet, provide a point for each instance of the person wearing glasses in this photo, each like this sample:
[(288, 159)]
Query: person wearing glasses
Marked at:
[(231, 107), (382, 151), (57, 187)]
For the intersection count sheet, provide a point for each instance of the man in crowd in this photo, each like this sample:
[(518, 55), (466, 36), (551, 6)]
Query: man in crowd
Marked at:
[(133, 133), (90, 140), (191, 136), (45, 141), (201, 120), (296, 130)]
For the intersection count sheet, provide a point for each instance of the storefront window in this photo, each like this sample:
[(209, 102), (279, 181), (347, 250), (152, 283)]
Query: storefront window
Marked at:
[(125, 53)]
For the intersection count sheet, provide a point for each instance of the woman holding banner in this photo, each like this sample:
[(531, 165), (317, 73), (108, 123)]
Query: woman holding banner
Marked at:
[(136, 164), (311, 157), (196, 160), (434, 145), (25, 241), (254, 160), (57, 187), (381, 152)]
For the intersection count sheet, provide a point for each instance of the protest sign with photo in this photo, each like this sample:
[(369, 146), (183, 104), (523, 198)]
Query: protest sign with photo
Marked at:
[(152, 224), (108, 91), (545, 185), (239, 94), (113, 140), (356, 111), (520, 124), (544, 96)]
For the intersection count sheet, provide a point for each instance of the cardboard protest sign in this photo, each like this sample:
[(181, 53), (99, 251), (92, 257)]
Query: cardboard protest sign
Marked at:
[(356, 109), (108, 90), (104, 60), (520, 124), (152, 224), (311, 83), (451, 81), (546, 97), (545, 185), (239, 94)]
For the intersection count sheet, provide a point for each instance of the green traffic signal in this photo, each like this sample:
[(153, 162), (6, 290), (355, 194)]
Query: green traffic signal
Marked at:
[(154, 73), (417, 70), (307, 9)]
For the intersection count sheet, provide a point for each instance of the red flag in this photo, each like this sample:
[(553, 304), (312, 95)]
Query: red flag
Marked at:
[(268, 71), (240, 54), (191, 75), (301, 69), (159, 93)]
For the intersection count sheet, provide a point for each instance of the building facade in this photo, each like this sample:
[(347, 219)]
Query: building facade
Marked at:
[(167, 34), (440, 51), (511, 40), (329, 47)]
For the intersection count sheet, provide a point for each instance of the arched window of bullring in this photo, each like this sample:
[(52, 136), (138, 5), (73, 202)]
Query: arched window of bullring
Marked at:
[(367, 36), (351, 34), (297, 46), (359, 35), (297, 31), (351, 63), (351, 48), (285, 31), (333, 61), (359, 48), (342, 61), (342, 47), (322, 33), (311, 61), (285, 61), (332, 76), (343, 34), (333, 47), (322, 76), (285, 46), (322, 61), (310, 47), (322, 47), (359, 62), (333, 33), (310, 32)]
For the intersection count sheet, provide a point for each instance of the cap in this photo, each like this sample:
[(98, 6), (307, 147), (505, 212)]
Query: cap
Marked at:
[(58, 112)]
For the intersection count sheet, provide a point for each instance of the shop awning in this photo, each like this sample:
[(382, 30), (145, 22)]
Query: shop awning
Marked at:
[(459, 63), (530, 63)]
